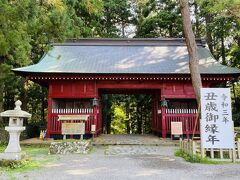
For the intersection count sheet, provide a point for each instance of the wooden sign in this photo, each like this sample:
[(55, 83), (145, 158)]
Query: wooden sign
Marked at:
[(176, 128), (73, 117), (73, 128)]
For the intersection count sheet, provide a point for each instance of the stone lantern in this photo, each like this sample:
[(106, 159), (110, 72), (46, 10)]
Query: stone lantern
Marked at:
[(13, 150)]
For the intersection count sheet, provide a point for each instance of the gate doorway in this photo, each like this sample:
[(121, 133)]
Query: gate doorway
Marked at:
[(128, 111)]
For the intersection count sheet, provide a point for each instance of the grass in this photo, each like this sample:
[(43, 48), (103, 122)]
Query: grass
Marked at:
[(36, 157), (197, 158)]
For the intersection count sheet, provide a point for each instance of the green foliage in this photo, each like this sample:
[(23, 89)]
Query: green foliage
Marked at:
[(159, 18), (225, 7), (222, 28), (196, 158), (118, 125), (28, 27), (234, 56), (236, 118), (36, 157), (127, 114), (116, 17), (14, 164), (235, 91)]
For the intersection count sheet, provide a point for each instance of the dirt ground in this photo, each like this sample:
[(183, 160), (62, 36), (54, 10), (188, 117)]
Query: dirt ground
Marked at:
[(127, 162)]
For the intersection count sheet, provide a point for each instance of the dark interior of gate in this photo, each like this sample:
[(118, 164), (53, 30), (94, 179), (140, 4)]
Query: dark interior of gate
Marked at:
[(129, 111)]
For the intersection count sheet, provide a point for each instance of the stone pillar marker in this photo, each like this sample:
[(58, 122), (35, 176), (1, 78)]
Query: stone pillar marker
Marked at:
[(16, 116)]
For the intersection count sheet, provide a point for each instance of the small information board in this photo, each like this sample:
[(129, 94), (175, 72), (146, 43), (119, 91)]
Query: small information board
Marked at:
[(73, 128), (176, 128)]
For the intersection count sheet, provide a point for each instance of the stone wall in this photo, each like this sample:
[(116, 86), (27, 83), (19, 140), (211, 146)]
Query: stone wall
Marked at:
[(76, 147)]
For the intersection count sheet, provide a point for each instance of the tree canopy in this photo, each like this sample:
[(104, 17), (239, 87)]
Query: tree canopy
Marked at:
[(28, 27)]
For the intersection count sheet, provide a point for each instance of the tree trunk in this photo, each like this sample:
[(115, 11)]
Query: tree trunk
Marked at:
[(197, 29), (1, 101), (238, 41), (209, 39), (127, 116), (123, 30), (109, 126), (24, 97), (139, 122), (170, 29), (223, 50), (223, 54), (192, 48)]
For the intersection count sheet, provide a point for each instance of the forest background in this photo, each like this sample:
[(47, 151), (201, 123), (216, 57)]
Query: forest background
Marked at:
[(28, 27)]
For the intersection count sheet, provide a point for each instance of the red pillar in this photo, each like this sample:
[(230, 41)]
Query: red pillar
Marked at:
[(49, 116), (153, 110), (49, 119), (99, 115), (164, 131), (95, 117)]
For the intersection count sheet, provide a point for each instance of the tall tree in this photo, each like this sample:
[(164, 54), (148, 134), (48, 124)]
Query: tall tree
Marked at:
[(116, 17), (221, 25), (27, 29), (192, 48), (158, 18)]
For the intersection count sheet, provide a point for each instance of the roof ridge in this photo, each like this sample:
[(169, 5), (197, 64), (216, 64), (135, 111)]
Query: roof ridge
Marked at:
[(128, 42)]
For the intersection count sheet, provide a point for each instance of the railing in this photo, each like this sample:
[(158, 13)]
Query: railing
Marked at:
[(186, 116), (181, 111), (193, 147), (73, 111)]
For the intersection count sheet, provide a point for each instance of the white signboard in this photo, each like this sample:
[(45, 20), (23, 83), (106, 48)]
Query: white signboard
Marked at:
[(73, 128), (176, 128), (216, 118)]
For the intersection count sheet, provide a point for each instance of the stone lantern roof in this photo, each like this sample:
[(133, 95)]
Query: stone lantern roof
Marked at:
[(17, 112)]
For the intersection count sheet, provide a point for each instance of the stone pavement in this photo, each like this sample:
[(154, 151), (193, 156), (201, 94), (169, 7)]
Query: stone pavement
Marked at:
[(131, 139), (112, 139), (134, 150)]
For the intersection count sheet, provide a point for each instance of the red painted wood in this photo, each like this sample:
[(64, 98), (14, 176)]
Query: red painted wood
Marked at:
[(120, 77), (155, 102), (80, 89), (49, 111), (168, 86), (188, 121), (164, 124)]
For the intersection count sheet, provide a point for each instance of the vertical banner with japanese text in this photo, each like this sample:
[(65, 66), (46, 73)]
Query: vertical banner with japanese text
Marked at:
[(216, 118)]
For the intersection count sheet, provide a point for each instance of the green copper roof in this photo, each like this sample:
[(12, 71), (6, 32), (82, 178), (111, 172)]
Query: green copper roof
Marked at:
[(125, 56)]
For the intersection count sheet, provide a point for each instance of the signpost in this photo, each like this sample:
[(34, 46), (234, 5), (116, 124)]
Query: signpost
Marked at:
[(70, 128), (216, 119)]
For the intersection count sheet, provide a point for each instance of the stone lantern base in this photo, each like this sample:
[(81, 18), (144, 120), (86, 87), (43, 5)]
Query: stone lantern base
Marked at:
[(11, 156), (13, 150)]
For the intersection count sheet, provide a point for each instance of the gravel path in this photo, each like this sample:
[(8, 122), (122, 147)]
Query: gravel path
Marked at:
[(129, 162)]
